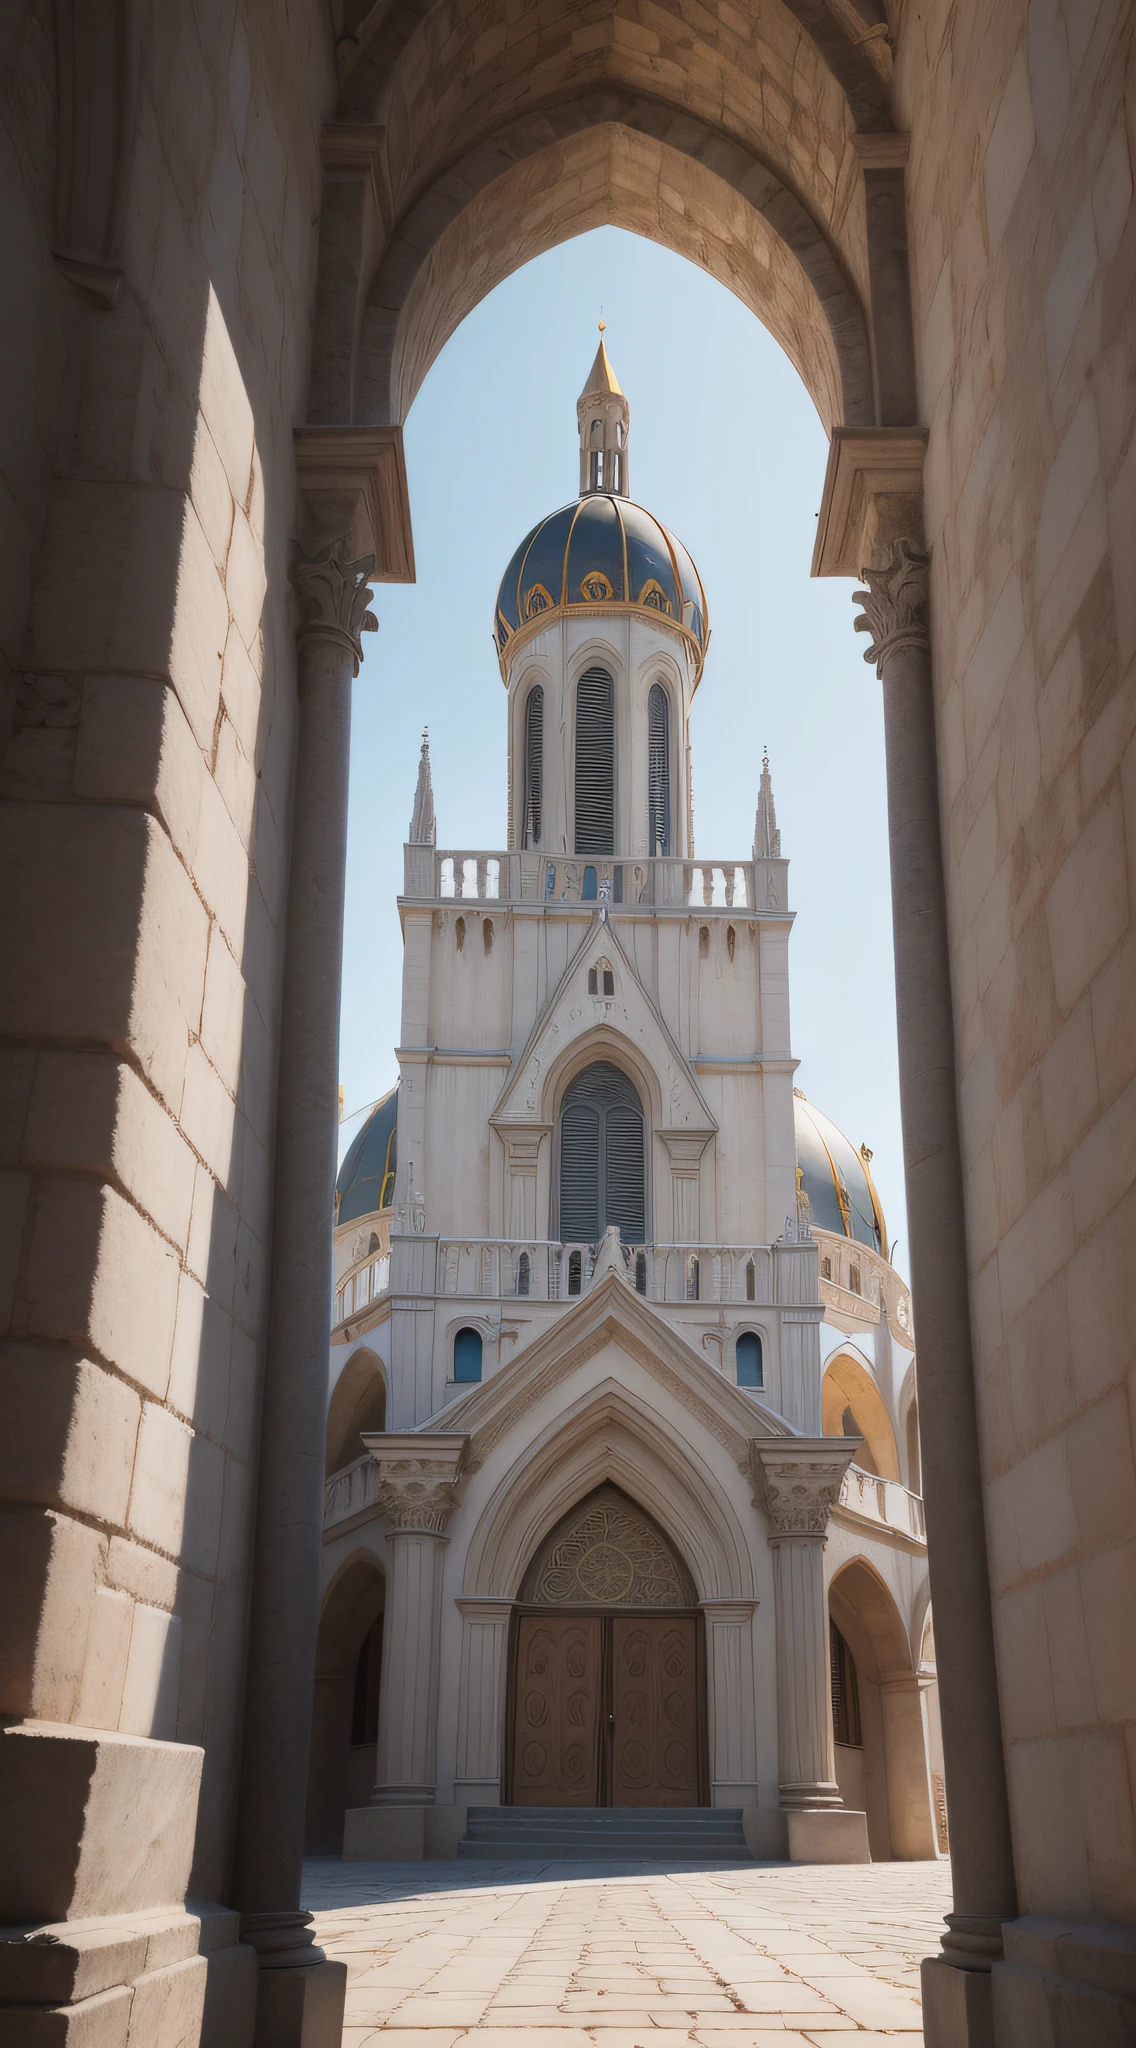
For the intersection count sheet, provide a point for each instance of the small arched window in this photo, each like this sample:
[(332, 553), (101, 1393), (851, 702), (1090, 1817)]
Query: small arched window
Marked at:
[(693, 1279), (575, 1272), (602, 1168), (595, 762), (534, 764), (640, 1272), (658, 771), (467, 1356), (524, 1273), (747, 1352), (751, 1281)]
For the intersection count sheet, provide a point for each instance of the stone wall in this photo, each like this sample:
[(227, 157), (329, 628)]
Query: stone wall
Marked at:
[(1024, 278), (151, 378)]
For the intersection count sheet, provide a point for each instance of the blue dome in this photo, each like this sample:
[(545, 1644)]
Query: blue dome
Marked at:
[(835, 1178), (604, 552), (366, 1177)]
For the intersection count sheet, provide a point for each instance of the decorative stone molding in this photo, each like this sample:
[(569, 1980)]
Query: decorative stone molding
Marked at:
[(334, 596), (896, 604), (800, 1482), (353, 483), (418, 1483), (873, 495)]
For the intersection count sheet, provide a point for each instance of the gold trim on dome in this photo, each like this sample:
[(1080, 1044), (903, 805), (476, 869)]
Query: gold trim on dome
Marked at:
[(537, 600), (596, 588), (655, 597)]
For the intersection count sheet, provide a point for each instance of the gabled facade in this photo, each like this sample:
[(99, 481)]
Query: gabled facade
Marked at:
[(599, 1323)]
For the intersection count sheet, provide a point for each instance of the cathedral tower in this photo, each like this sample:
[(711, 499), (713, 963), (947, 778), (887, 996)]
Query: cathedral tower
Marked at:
[(601, 628)]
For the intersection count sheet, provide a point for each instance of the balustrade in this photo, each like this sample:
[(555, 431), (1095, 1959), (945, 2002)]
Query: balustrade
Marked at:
[(452, 874)]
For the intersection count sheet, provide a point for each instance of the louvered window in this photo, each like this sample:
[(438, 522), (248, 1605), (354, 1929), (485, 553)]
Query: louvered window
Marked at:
[(747, 1352), (658, 771), (534, 763), (845, 1691), (602, 1176), (595, 762)]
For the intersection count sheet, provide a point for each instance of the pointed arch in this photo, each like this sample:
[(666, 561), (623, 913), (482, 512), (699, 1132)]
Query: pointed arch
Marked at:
[(852, 1405), (606, 1436), (358, 1402)]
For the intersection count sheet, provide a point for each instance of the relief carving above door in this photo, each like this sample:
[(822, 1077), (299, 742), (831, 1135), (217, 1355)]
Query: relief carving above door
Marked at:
[(608, 1702)]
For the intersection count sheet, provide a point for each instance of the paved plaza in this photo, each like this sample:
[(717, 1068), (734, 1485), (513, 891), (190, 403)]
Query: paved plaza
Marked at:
[(607, 1955)]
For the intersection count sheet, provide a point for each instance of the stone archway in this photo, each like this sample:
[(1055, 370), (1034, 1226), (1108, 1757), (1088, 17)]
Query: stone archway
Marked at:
[(607, 1677), (341, 1762), (884, 1768)]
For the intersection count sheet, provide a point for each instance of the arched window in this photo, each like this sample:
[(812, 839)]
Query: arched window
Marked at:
[(658, 771), (602, 1176), (747, 1352), (575, 1272), (534, 764), (595, 762), (640, 1272), (467, 1355), (524, 1273), (751, 1281), (693, 1279)]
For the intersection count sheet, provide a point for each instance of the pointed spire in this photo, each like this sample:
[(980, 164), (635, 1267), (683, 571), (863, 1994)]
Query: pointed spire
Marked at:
[(603, 415), (423, 830), (602, 380), (766, 837)]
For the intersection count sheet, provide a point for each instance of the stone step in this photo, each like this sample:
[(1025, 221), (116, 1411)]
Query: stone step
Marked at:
[(697, 1835)]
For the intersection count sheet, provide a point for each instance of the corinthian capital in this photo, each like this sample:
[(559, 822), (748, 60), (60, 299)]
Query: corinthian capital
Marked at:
[(896, 609), (800, 1479), (334, 595), (418, 1479)]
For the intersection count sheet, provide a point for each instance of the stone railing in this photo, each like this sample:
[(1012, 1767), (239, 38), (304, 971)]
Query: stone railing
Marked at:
[(350, 1491), (547, 1271), (362, 1284), (452, 874), (884, 1501), (857, 1282)]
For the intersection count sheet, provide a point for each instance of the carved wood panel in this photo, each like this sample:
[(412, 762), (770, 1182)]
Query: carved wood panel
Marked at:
[(556, 1729), (654, 1712)]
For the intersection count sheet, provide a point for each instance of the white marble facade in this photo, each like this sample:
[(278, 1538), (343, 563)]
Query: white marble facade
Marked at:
[(782, 1477)]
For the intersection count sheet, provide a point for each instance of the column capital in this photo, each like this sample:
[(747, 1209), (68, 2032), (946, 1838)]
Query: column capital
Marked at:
[(418, 1480), (799, 1479), (895, 606), (334, 594)]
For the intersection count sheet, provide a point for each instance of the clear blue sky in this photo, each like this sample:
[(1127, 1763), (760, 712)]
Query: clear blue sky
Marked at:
[(726, 448)]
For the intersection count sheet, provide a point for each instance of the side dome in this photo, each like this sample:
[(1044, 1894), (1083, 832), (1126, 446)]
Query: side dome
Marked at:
[(366, 1178), (835, 1177), (606, 553)]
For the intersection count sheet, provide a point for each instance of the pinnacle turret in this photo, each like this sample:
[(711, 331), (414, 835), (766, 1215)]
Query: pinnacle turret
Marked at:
[(604, 417), (766, 837), (423, 829)]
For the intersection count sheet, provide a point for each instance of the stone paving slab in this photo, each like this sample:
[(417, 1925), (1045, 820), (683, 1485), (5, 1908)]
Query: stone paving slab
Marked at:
[(628, 1955)]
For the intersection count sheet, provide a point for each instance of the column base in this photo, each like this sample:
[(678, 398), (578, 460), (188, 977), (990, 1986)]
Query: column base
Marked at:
[(402, 1834), (1064, 1980), (828, 1835), (300, 2008), (957, 2008), (811, 1795)]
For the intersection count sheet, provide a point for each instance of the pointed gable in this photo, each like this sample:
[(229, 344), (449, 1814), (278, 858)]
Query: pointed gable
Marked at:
[(625, 1021)]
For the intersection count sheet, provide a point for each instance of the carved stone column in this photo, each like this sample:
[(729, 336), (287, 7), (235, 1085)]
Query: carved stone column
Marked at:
[(896, 616), (333, 595), (800, 1480), (418, 1480)]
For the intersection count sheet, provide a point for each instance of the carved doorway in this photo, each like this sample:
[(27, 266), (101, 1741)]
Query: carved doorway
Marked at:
[(608, 1687)]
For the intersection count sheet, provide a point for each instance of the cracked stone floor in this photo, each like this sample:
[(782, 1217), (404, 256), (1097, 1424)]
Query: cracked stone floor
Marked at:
[(603, 1955)]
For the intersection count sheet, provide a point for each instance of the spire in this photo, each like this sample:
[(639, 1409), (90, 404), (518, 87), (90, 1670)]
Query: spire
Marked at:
[(423, 830), (603, 415), (766, 837)]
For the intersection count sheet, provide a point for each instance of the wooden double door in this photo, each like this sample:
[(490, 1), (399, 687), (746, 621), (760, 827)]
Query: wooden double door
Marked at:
[(608, 1710)]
